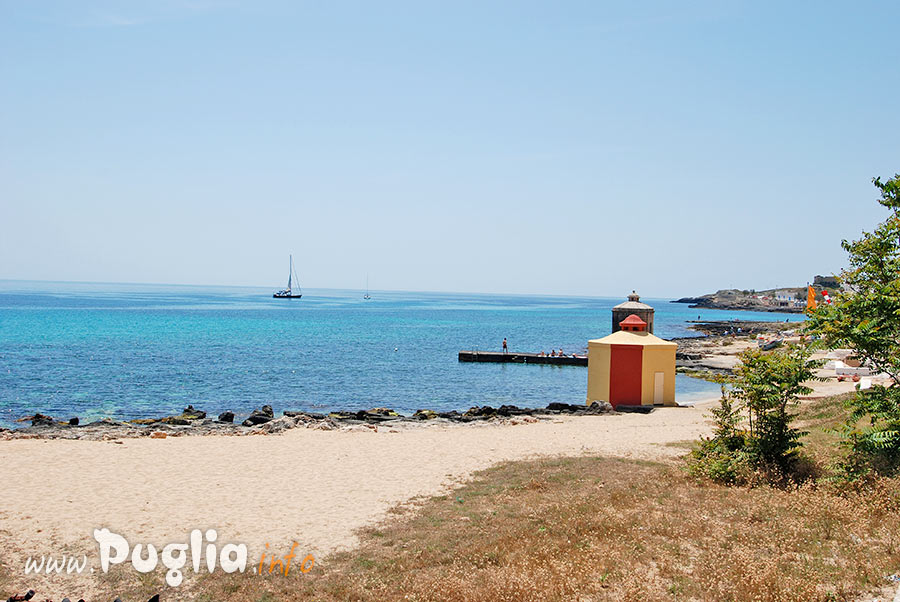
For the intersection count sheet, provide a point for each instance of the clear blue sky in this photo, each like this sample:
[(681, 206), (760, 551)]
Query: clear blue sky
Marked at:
[(534, 147)]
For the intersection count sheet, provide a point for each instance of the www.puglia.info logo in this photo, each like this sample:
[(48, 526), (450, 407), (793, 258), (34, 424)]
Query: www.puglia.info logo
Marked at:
[(201, 549)]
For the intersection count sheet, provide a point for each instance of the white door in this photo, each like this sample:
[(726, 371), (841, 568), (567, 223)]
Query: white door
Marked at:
[(659, 380)]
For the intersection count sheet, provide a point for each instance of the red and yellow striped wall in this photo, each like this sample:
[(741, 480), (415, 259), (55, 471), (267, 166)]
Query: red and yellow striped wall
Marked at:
[(631, 368)]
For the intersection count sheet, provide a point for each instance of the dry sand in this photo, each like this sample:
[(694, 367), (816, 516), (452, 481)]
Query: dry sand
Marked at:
[(307, 485), (313, 487)]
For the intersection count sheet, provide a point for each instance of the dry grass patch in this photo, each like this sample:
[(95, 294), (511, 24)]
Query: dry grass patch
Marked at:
[(599, 528), (824, 420)]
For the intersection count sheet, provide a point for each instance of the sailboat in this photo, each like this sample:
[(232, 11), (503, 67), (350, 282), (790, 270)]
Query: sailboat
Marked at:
[(288, 293), (366, 296)]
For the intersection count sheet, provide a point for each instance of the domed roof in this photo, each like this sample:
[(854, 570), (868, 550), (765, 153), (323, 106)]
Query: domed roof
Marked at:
[(633, 303)]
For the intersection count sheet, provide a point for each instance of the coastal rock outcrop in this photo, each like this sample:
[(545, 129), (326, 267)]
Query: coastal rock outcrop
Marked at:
[(479, 412), (787, 300), (262, 421), (260, 416), (41, 420), (305, 416), (189, 413), (278, 425), (187, 416), (424, 415)]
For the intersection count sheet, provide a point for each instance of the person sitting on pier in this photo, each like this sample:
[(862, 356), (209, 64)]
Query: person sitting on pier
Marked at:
[(561, 354), (553, 353)]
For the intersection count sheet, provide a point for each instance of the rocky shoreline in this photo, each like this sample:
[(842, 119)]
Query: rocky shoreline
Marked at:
[(712, 302), (714, 355), (264, 422), (734, 328)]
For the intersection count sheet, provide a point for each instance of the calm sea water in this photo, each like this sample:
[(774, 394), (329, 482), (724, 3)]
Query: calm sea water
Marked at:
[(131, 351)]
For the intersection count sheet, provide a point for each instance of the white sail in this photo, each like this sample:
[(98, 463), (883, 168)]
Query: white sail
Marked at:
[(290, 271)]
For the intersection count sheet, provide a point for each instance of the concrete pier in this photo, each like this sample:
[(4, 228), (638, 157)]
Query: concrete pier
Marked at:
[(522, 358)]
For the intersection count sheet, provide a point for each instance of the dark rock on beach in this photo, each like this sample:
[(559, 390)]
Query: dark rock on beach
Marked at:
[(377, 415), (255, 419), (305, 416), (486, 412), (189, 413), (373, 415), (600, 408), (260, 416), (584, 410), (635, 409), (176, 420), (506, 410), (424, 415), (263, 421), (562, 407), (41, 420), (277, 425), (480, 412)]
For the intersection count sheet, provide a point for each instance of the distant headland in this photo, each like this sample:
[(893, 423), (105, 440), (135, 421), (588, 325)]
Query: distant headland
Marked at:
[(786, 300)]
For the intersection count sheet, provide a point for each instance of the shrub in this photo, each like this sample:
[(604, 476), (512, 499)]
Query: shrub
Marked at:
[(767, 386)]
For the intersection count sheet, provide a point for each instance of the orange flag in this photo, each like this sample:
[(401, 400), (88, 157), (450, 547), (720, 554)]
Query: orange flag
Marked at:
[(810, 298)]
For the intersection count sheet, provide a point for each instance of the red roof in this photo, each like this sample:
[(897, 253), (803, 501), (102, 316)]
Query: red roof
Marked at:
[(632, 320)]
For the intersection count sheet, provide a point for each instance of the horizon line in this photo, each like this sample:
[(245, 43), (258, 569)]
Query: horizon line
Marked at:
[(388, 290)]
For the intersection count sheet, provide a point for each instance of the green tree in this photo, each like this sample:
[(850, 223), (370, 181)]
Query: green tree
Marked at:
[(768, 385), (865, 317), (726, 420), (722, 457)]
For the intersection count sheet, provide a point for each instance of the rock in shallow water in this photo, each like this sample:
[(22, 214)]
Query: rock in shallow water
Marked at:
[(189, 413), (260, 416), (424, 415), (41, 420)]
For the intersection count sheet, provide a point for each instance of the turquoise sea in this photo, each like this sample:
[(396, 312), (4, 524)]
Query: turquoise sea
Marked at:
[(133, 351)]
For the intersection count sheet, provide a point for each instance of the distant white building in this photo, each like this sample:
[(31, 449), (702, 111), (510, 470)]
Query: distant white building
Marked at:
[(785, 299)]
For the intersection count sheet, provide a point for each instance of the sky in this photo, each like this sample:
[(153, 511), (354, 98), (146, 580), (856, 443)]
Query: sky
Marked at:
[(555, 148)]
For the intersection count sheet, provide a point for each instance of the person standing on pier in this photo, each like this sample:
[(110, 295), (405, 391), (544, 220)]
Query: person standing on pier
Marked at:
[(505, 348)]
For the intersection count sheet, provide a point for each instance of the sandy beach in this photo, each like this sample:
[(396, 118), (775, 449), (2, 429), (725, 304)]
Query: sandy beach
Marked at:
[(315, 487), (305, 485)]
